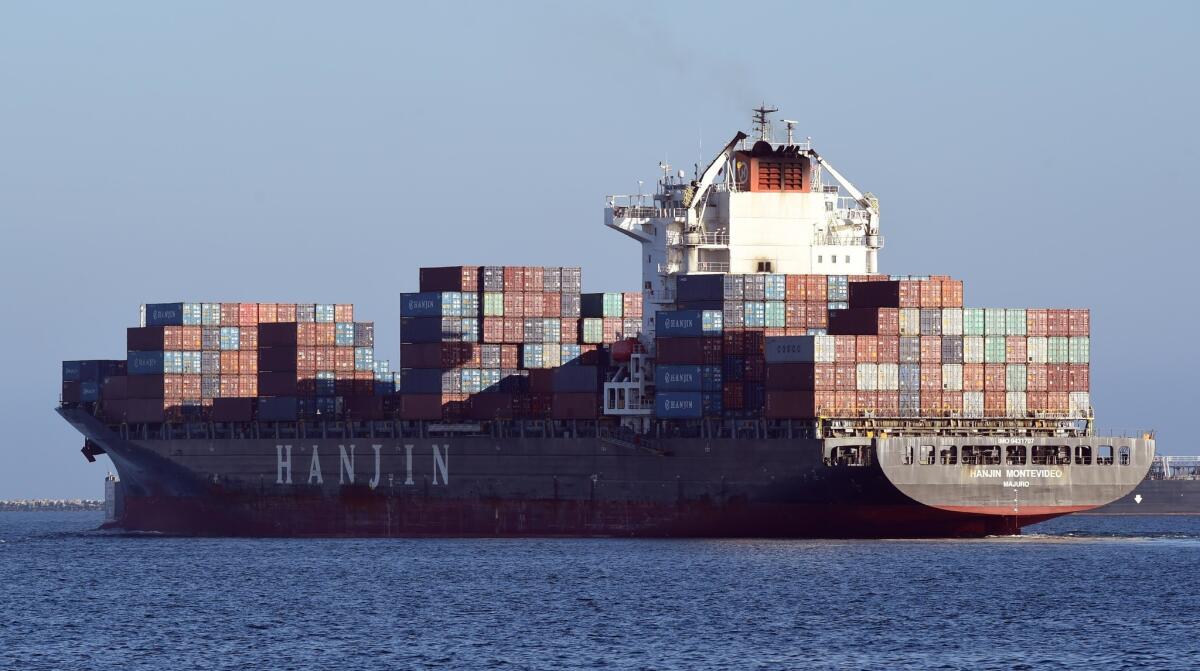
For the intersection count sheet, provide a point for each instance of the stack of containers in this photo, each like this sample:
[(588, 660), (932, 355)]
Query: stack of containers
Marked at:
[(503, 341), (688, 371), (235, 361), (101, 381)]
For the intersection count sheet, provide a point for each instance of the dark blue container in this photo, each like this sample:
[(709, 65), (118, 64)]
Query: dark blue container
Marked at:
[(679, 323), (329, 406), (711, 378), (678, 377), (145, 363), (325, 387), (755, 398), (89, 391), (421, 381), (700, 288), (164, 314), (576, 379), (278, 409), (910, 377), (421, 329), (734, 368), (701, 305), (425, 304), (72, 371), (713, 405), (679, 404)]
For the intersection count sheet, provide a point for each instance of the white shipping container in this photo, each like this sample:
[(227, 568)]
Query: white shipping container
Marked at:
[(972, 404), (867, 376), (825, 349), (952, 377), (889, 377), (1014, 402), (952, 321), (972, 349), (910, 321), (1080, 403), (1035, 349)]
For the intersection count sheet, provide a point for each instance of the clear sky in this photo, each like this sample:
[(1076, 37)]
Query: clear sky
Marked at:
[(321, 152)]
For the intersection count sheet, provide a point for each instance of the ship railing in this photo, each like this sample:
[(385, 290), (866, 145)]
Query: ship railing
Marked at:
[(626, 207), (712, 239), (713, 266), (844, 240)]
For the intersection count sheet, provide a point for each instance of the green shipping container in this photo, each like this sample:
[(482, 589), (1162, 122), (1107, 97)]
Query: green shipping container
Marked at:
[(614, 304), (1079, 350), (593, 330), (1014, 322), (1058, 350), (776, 314), (1014, 377), (973, 321), (994, 349), (994, 324), (493, 304)]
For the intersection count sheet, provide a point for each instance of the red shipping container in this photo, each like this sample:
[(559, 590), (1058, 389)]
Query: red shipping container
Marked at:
[(493, 329), (326, 334), (1015, 350), (248, 385), (843, 404), (825, 402), (866, 402), (631, 304), (787, 405), (569, 331), (229, 362), (1079, 322), (816, 315), (794, 288), (248, 337), (343, 361), (575, 406), (844, 376), (306, 334), (1058, 322), (795, 314), (552, 304), (733, 396), (285, 312), (1058, 402), (866, 349), (973, 377), (1036, 324), (930, 293), (267, 313), (514, 303), (931, 349), (229, 314), (514, 329), (247, 314), (1058, 377), (1035, 401), (843, 348), (191, 386), (1079, 377), (172, 338), (514, 278), (532, 279), (994, 377), (889, 321), (816, 288), (534, 305), (910, 293), (343, 312), (612, 329), (420, 406), (1035, 377), (324, 358), (247, 362), (931, 378), (824, 376), (931, 403), (995, 403), (888, 348), (733, 343), (775, 332), (952, 297), (888, 403), (952, 401)]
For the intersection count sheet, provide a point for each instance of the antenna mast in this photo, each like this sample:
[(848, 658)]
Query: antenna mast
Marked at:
[(761, 123)]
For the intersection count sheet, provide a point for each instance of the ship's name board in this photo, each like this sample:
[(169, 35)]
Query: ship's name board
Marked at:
[(1017, 477), (349, 468)]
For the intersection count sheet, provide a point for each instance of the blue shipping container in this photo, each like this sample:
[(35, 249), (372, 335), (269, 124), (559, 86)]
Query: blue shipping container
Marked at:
[(421, 329), (421, 381), (424, 304), (679, 323), (89, 392), (681, 377), (679, 404), (145, 363), (164, 314), (72, 371), (700, 287), (277, 409), (910, 377)]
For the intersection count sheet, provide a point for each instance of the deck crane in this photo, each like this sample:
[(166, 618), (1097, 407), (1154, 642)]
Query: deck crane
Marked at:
[(870, 208)]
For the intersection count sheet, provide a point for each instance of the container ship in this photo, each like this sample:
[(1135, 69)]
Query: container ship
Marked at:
[(762, 380)]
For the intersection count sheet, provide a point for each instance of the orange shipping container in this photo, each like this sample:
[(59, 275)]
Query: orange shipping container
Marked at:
[(324, 357), (343, 359), (952, 297), (931, 349), (816, 288), (343, 312), (191, 386), (972, 377), (844, 403), (931, 378), (568, 331), (247, 362), (1035, 377), (952, 403), (931, 403), (248, 338), (229, 314), (193, 338), (248, 385), (825, 402), (843, 348), (795, 314), (1035, 401), (888, 348), (285, 312), (173, 386), (1058, 402), (306, 359), (865, 402), (267, 313), (995, 403), (824, 376), (514, 304), (306, 334), (247, 314), (794, 288), (931, 293), (910, 294), (229, 361), (1036, 324), (817, 315), (844, 376), (173, 338), (552, 304), (326, 334), (888, 403), (229, 386), (866, 349), (888, 321)]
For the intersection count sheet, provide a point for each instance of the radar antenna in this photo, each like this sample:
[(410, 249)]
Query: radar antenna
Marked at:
[(790, 125), (761, 123)]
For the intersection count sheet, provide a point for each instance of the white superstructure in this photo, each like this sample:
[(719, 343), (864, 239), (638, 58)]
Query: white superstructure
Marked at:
[(759, 207)]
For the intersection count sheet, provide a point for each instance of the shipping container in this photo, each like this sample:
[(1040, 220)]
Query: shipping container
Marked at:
[(974, 321), (678, 404)]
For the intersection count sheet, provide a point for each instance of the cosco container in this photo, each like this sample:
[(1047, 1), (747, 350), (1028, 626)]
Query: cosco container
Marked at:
[(787, 349)]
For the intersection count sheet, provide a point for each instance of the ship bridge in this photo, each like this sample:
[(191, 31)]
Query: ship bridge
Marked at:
[(760, 206)]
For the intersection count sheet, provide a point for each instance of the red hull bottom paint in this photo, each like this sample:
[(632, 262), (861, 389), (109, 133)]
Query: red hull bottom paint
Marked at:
[(1047, 512), (394, 517)]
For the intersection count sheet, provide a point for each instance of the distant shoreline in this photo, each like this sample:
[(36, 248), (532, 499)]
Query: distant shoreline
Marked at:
[(37, 505)]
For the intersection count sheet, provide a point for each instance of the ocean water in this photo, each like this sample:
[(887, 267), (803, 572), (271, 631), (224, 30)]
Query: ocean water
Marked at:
[(1078, 592)]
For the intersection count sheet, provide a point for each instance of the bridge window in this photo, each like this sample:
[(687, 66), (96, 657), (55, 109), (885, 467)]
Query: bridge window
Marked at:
[(1016, 455), (969, 456), (949, 455), (1106, 455), (1083, 455), (764, 266), (926, 455), (1123, 455), (1045, 455)]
